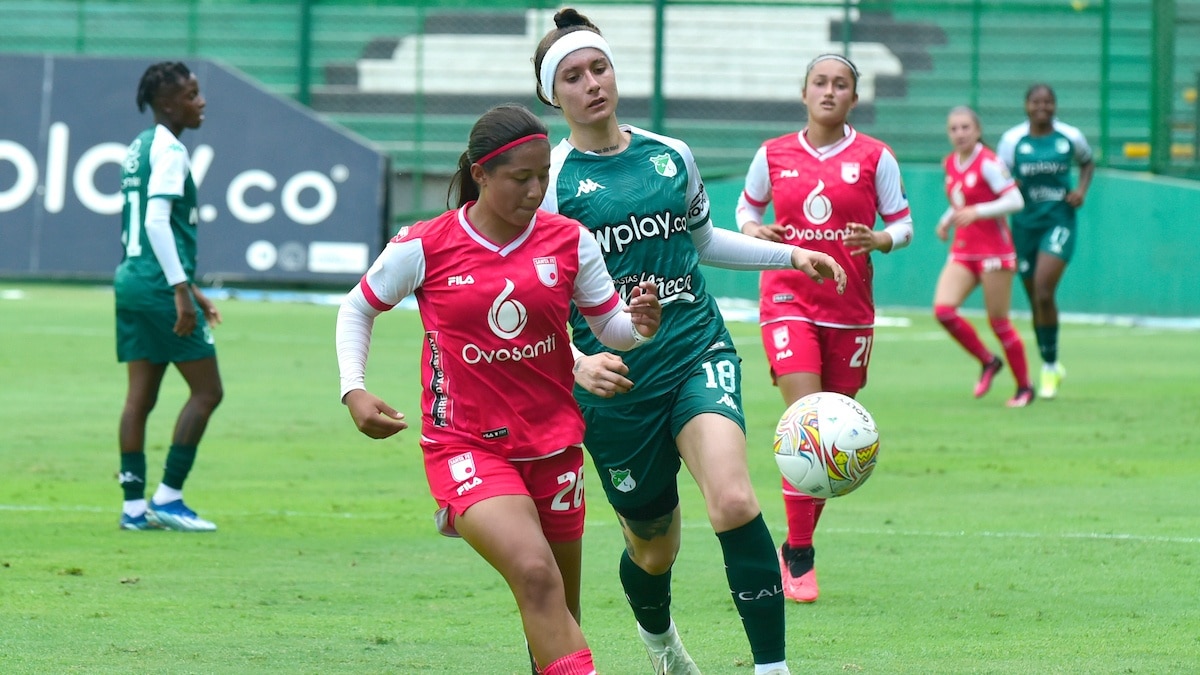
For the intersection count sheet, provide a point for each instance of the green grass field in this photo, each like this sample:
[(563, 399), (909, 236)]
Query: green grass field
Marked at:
[(1063, 538)]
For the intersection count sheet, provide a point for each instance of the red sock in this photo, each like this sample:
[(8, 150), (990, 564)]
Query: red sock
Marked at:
[(1014, 349), (801, 517), (577, 663), (818, 509), (962, 332)]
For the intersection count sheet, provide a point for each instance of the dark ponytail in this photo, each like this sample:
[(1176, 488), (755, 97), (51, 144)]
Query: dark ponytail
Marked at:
[(495, 129)]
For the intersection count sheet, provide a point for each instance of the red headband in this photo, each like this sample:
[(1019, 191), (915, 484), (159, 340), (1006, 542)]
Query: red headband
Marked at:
[(509, 146)]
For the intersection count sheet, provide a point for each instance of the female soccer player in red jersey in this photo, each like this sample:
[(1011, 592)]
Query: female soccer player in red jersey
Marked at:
[(828, 183), (981, 192), (494, 280)]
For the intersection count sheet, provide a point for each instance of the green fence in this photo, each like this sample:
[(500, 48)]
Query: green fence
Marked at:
[(412, 76)]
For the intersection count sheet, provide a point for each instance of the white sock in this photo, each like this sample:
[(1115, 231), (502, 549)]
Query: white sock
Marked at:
[(760, 668), (134, 507), (662, 639), (165, 494)]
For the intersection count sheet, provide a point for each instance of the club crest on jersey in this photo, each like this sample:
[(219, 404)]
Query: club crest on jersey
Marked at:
[(622, 480), (547, 270), (462, 467), (780, 335), (664, 165), (850, 172)]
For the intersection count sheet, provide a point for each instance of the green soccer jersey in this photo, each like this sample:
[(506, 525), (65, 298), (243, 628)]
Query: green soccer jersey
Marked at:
[(640, 206), (1042, 167), (156, 165)]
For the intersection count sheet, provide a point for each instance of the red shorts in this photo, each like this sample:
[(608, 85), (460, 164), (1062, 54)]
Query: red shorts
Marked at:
[(978, 266), (461, 476), (839, 355)]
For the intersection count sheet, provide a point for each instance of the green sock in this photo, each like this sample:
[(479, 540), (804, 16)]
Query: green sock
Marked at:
[(757, 589), (1047, 339), (179, 463), (133, 475), (649, 596)]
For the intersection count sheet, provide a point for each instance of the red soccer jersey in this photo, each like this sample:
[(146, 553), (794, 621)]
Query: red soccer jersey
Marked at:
[(982, 178), (817, 193), (496, 359)]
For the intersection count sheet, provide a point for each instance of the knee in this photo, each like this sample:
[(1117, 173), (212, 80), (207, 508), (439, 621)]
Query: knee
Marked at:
[(209, 398), (732, 507), (656, 557), (944, 313), (537, 583)]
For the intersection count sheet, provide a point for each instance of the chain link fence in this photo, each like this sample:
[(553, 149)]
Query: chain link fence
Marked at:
[(724, 76)]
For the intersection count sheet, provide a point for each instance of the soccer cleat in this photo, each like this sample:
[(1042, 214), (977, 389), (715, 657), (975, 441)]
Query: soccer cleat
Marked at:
[(667, 654), (989, 373), (1023, 397), (177, 516), (141, 522), (801, 588), (1052, 376)]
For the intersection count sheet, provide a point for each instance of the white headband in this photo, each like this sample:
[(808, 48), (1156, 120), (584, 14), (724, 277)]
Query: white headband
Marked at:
[(832, 57), (571, 42)]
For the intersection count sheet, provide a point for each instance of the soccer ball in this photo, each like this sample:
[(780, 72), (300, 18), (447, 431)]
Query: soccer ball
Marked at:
[(826, 444)]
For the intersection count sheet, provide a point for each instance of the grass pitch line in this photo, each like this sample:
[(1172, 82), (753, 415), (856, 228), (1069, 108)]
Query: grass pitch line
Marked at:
[(598, 522)]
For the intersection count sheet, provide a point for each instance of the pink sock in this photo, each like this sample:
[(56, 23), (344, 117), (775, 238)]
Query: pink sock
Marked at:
[(577, 663), (962, 332), (1014, 349), (801, 518)]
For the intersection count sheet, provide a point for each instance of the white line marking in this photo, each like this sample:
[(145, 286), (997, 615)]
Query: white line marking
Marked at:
[(606, 522)]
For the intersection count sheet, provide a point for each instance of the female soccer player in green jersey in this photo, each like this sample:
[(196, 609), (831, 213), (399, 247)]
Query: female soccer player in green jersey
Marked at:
[(162, 316), (642, 198), (1039, 153)]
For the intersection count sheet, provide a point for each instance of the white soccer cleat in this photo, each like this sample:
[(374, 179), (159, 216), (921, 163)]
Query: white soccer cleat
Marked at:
[(178, 517), (667, 654)]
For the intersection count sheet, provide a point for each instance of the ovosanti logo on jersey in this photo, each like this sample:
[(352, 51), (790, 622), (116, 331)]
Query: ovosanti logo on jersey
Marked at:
[(616, 237), (793, 233), (818, 209), (507, 317)]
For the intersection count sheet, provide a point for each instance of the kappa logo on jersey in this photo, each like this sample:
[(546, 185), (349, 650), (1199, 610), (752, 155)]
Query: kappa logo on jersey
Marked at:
[(789, 173), (622, 479), (460, 280), (587, 187), (817, 207), (547, 270), (664, 165), (507, 316), (728, 401), (462, 470)]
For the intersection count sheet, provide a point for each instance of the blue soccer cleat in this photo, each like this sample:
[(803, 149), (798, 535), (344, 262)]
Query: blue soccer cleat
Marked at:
[(178, 517), (135, 523)]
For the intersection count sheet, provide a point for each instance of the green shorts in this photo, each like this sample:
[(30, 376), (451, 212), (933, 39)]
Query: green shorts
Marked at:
[(149, 335), (1058, 241), (633, 446)]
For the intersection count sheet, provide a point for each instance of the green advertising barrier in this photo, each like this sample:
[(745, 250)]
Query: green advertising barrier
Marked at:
[(1137, 253)]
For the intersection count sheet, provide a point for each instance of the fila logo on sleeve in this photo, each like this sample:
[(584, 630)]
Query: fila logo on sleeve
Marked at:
[(588, 186)]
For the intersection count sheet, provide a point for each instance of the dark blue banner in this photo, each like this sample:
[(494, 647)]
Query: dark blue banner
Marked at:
[(284, 196)]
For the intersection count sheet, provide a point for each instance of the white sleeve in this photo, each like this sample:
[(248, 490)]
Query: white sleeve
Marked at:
[(736, 251), (997, 175), (1006, 149), (1010, 201), (395, 274), (756, 195), (893, 204), (162, 240), (169, 166), (352, 337), (598, 301)]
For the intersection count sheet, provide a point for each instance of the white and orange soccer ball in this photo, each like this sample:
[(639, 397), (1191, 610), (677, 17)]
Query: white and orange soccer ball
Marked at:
[(826, 444)]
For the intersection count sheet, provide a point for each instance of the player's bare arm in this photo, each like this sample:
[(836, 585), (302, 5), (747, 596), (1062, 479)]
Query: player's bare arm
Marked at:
[(372, 416), (819, 267)]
